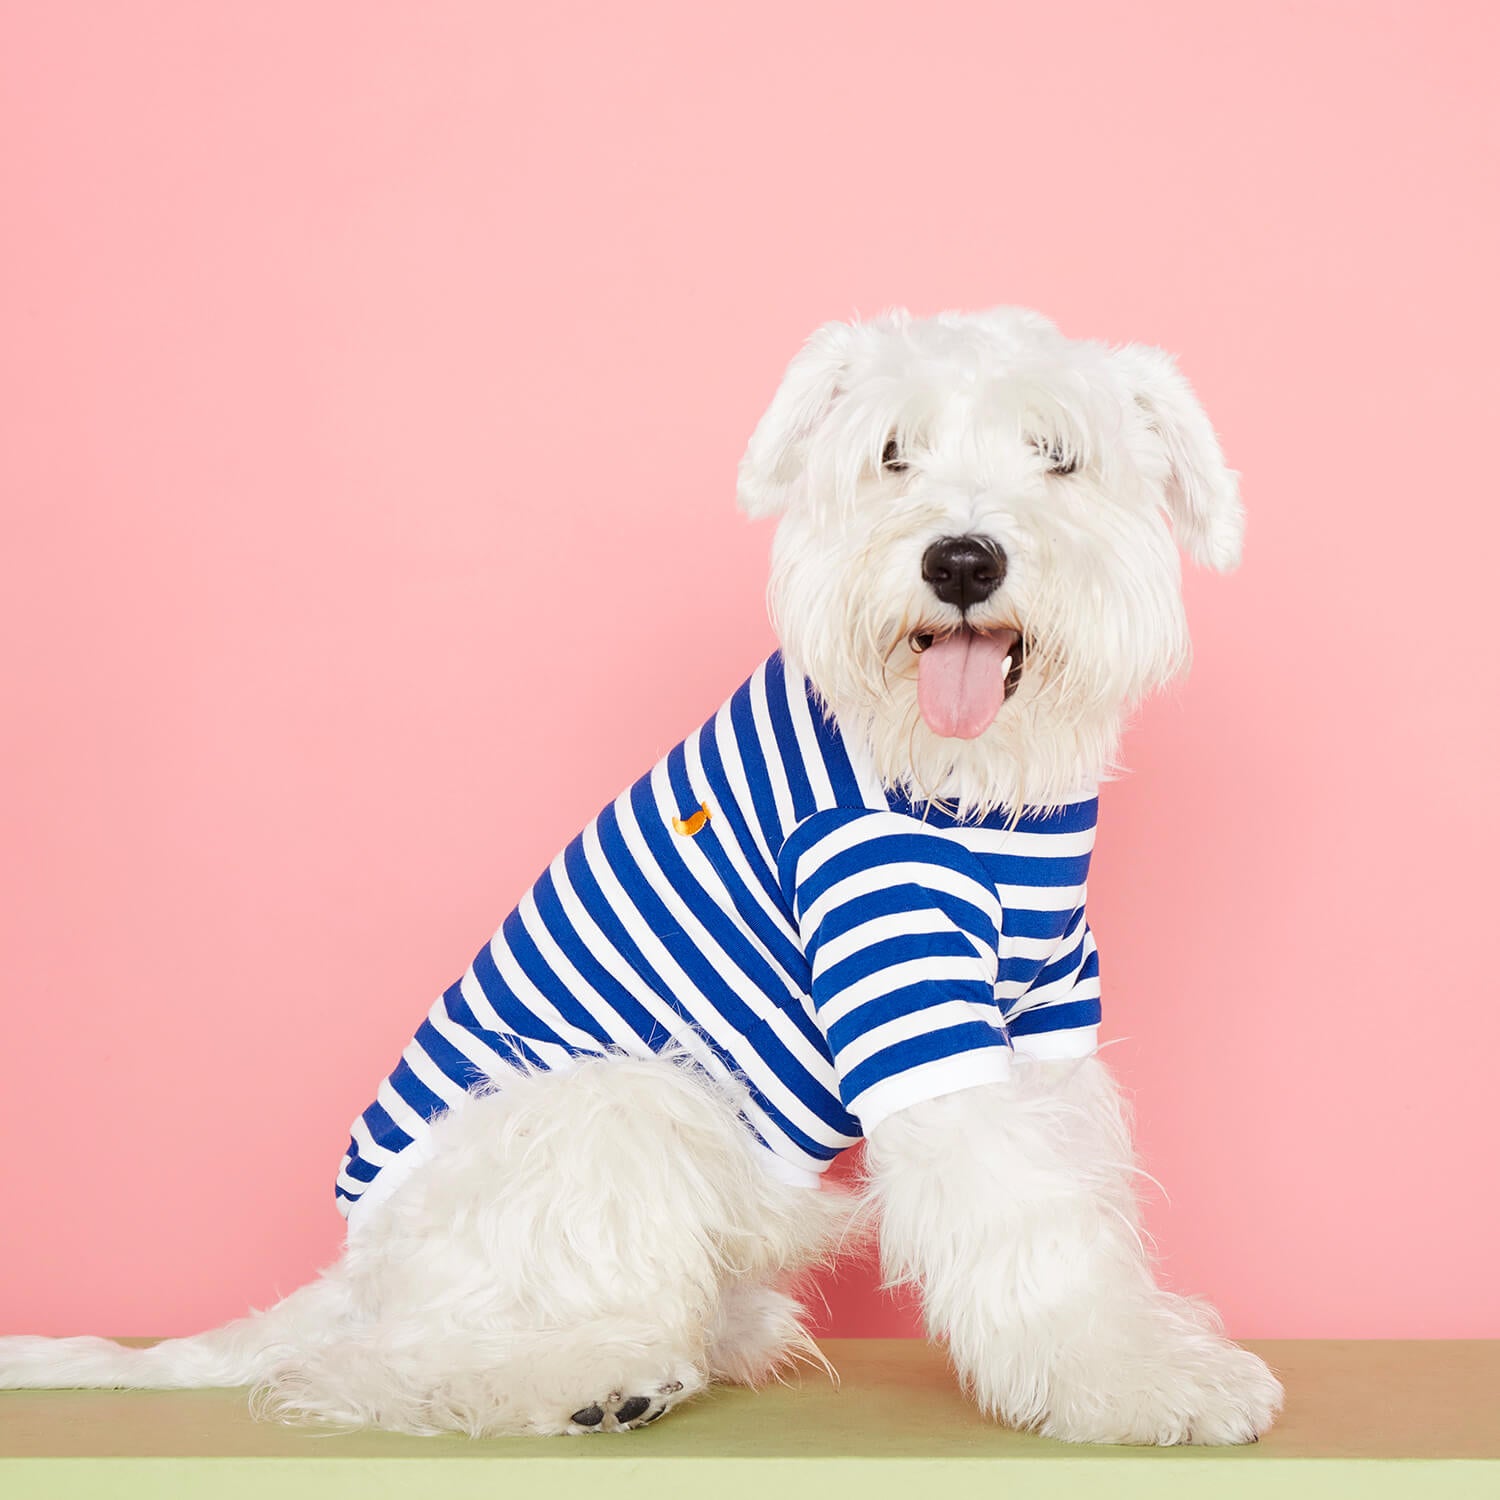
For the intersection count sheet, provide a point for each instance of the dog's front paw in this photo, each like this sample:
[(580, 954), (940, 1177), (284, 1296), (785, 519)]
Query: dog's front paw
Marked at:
[(1200, 1390)]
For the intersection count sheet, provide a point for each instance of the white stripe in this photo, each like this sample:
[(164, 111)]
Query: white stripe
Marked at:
[(490, 1018), (669, 1022), (616, 1029), (770, 751), (784, 1146), (864, 829), (955, 971), (807, 742), (401, 1113), (709, 883), (351, 1185), (771, 1009), (739, 784), (755, 1067), (996, 841), (931, 1080), (1054, 995), (1040, 950), (861, 761), (867, 882), (1075, 1041), (1066, 898), (430, 1074), (370, 1149), (461, 1039), (1038, 996), (671, 974), (1049, 951), (878, 929), (593, 937)]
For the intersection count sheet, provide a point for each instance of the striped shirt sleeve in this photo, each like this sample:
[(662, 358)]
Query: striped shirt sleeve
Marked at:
[(901, 928)]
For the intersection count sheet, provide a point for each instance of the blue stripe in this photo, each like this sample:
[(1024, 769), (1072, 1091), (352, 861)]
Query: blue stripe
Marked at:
[(506, 1049), (543, 976), (773, 935), (789, 754), (587, 888), (886, 849), (1023, 922), (591, 969), (898, 899), (384, 1131), (1058, 969), (356, 1166), (1064, 1016), (453, 1063), (704, 977), (726, 807), (903, 948), (650, 908), (1036, 869), (415, 1092), (757, 777), (785, 989), (905, 1001), (969, 1036), (835, 758), (521, 1022)]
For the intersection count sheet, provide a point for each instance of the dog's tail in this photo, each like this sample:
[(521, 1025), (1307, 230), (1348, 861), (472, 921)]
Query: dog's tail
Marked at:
[(240, 1353)]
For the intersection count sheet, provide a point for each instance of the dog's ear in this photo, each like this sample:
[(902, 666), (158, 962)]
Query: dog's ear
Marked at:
[(775, 458), (1202, 494)]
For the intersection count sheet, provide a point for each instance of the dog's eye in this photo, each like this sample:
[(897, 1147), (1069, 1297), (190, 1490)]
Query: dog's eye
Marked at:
[(891, 460), (1058, 462)]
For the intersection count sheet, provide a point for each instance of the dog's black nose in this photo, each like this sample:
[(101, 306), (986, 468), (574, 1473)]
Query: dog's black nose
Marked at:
[(964, 570)]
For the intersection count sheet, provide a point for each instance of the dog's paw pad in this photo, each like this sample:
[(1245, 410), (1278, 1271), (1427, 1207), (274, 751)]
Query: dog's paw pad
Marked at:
[(628, 1411), (620, 1413)]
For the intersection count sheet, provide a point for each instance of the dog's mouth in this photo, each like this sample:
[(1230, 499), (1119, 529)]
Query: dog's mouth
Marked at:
[(964, 676)]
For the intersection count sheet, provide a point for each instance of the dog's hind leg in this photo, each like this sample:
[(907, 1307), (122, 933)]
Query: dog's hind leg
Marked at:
[(559, 1262)]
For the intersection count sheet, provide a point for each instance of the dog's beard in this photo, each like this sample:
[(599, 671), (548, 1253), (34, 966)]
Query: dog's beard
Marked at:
[(1043, 739), (1033, 733), (1030, 755)]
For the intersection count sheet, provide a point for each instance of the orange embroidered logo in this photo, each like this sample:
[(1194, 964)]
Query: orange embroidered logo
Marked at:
[(694, 824)]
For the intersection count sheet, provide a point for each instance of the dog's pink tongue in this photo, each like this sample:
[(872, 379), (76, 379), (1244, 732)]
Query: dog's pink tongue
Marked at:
[(961, 682)]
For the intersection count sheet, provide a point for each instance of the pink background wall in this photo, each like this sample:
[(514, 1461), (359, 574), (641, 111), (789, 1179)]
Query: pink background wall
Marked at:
[(324, 326)]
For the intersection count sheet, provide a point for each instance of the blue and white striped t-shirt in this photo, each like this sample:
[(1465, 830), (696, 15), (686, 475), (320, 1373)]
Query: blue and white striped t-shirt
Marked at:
[(840, 950)]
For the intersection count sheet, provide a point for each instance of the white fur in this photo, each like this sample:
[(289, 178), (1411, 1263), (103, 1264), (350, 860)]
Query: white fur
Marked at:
[(609, 1232), (1093, 574), (576, 1238), (1010, 1207)]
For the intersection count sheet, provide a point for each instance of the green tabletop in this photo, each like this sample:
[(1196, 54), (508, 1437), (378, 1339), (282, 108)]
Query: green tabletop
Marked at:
[(1362, 1418)]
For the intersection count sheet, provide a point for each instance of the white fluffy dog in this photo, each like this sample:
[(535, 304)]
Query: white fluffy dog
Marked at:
[(851, 904)]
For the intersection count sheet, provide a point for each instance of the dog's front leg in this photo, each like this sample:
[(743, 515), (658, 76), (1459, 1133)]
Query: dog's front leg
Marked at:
[(1011, 1206)]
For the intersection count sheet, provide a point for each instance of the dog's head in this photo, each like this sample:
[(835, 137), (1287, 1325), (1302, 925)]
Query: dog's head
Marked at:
[(975, 565)]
